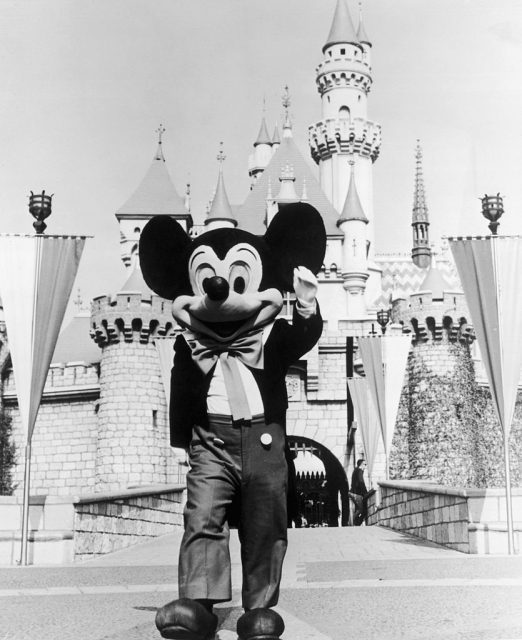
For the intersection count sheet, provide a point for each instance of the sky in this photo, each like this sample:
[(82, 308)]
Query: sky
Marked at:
[(84, 86)]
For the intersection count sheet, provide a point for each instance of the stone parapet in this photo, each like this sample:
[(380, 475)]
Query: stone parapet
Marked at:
[(434, 320), (468, 520), (129, 317), (111, 521), (336, 135), (75, 528)]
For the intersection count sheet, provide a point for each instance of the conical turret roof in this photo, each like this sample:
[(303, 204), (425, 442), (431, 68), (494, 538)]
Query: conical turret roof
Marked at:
[(263, 137), (420, 208), (352, 209), (435, 282), (276, 138), (220, 208), (342, 29), (361, 31), (156, 194), (251, 214), (136, 283), (74, 343)]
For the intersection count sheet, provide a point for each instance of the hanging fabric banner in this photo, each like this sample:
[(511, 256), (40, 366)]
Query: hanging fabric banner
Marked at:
[(165, 349), (36, 277), (384, 360), (367, 419), (489, 270)]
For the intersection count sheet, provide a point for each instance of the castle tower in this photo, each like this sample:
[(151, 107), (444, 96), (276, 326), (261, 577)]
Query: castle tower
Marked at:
[(421, 252), (133, 442), (220, 213), (344, 80), (156, 195), (262, 153), (353, 223), (436, 430)]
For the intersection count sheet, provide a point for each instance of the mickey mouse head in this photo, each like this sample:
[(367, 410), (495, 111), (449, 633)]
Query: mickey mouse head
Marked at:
[(228, 281)]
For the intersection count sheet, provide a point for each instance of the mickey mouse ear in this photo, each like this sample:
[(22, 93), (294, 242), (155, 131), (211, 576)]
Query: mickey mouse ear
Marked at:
[(296, 237), (163, 259)]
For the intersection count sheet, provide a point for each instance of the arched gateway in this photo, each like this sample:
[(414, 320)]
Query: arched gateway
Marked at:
[(322, 486)]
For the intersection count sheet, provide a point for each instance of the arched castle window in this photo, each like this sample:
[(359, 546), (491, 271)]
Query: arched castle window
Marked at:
[(137, 230), (344, 113)]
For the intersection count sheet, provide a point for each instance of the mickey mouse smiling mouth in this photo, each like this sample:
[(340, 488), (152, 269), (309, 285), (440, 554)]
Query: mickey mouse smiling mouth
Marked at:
[(226, 301)]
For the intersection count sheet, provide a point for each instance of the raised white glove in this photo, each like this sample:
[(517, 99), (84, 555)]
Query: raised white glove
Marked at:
[(305, 285)]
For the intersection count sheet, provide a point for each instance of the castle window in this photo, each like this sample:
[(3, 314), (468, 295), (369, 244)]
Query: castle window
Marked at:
[(344, 113), (343, 52), (137, 230)]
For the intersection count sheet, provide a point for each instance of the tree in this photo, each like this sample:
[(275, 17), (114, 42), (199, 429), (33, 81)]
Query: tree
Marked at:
[(7, 455)]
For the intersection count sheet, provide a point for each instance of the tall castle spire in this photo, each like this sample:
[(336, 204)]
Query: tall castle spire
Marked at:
[(220, 214), (155, 195), (287, 123), (421, 252), (262, 153), (342, 29), (344, 80)]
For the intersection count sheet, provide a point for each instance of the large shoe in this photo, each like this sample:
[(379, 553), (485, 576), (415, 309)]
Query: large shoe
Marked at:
[(186, 619), (260, 624)]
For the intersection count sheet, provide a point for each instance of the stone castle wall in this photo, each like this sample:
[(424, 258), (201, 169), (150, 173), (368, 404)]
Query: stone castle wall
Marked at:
[(64, 438), (133, 439)]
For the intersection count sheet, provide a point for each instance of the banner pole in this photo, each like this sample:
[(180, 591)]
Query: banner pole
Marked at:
[(25, 509), (509, 511)]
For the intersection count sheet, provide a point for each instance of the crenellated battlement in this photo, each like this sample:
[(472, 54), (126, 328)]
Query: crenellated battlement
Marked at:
[(337, 135), (130, 317), (335, 72), (432, 319)]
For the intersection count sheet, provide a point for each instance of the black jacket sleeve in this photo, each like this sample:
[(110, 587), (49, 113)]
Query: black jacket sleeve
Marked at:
[(298, 338), (186, 406)]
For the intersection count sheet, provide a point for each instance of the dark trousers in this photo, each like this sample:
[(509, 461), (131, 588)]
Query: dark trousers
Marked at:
[(230, 465)]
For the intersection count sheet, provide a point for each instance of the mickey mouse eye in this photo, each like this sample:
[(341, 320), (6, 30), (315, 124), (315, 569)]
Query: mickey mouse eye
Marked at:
[(203, 272), (239, 277)]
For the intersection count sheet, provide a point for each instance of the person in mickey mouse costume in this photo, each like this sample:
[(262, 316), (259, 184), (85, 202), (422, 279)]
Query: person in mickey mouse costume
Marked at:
[(228, 403)]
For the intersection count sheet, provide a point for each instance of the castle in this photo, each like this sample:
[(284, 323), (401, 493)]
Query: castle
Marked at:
[(102, 424)]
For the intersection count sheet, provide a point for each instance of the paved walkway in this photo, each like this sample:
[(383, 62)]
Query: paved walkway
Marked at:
[(365, 582)]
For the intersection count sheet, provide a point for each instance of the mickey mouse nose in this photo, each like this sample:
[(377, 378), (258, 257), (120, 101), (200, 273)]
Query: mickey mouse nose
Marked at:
[(216, 288)]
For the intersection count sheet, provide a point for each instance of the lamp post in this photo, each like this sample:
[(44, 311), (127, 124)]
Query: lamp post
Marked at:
[(383, 317), (489, 270), (37, 274), (492, 209), (40, 207)]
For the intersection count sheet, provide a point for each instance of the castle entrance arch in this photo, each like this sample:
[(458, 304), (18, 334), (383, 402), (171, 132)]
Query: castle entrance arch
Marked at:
[(321, 485)]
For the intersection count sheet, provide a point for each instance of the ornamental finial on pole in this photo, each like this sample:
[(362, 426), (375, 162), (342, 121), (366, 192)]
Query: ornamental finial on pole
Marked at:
[(40, 207)]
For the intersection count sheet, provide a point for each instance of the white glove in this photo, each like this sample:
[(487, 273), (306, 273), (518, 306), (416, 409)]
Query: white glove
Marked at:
[(305, 286)]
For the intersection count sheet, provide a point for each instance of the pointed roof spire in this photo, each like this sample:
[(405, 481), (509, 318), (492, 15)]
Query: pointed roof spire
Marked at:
[(342, 29), (352, 209), (287, 124), (435, 282), (156, 194), (263, 136), (220, 208), (361, 31), (276, 138), (420, 209), (159, 153)]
